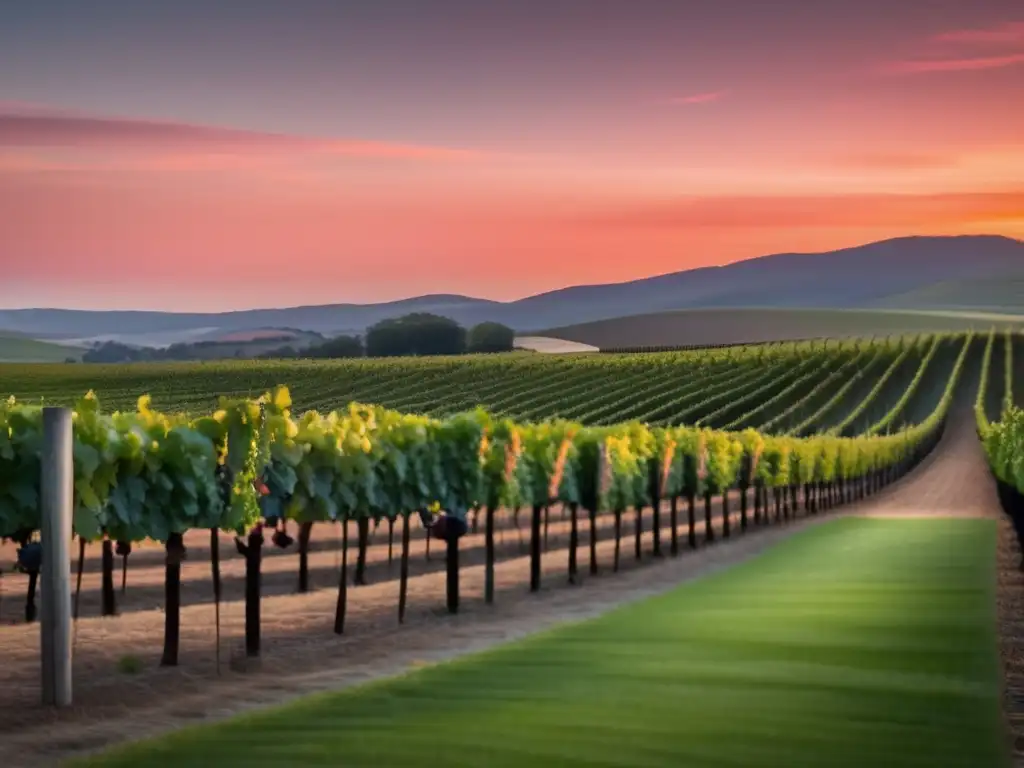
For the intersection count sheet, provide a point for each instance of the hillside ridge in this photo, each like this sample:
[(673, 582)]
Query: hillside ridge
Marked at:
[(863, 276)]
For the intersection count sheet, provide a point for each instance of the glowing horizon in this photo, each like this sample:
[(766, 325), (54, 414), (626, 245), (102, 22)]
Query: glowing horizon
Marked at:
[(260, 157)]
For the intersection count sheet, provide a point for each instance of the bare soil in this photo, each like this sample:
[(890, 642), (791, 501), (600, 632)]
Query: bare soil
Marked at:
[(1010, 612), (301, 654), (551, 346), (144, 584)]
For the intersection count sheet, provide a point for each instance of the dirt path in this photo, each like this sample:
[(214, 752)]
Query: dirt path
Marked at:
[(953, 481), (1010, 612), (302, 655)]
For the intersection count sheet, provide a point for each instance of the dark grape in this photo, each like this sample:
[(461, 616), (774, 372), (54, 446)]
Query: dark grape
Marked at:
[(30, 557), (282, 539)]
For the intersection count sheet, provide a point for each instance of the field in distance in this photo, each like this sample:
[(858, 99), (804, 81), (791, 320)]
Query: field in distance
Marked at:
[(692, 327), (796, 388), (1003, 294), (15, 348)]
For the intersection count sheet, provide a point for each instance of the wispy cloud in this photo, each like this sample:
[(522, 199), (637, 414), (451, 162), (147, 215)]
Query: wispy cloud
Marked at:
[(796, 212), (697, 98), (39, 128), (894, 160), (973, 49), (1007, 32), (968, 64)]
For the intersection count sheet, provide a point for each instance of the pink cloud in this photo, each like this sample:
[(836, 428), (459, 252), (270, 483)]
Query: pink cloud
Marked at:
[(697, 98), (1007, 32), (896, 160), (795, 212), (41, 128), (995, 38), (971, 64)]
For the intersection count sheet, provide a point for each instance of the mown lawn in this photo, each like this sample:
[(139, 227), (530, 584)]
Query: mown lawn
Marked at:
[(860, 643)]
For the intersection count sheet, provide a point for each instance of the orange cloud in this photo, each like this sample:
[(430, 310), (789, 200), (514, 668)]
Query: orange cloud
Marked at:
[(697, 98), (895, 160), (827, 211), (1007, 32), (37, 128)]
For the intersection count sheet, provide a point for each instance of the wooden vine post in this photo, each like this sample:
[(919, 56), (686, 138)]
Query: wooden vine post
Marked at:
[(452, 533), (215, 575), (638, 531), (174, 555), (252, 551), (56, 502), (746, 471), (489, 554), (702, 477), (109, 602), (305, 533), (535, 543), (342, 605), (363, 532), (602, 483), (403, 573), (574, 542)]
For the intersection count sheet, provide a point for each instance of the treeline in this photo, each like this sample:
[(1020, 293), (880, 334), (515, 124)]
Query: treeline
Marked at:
[(115, 352), (418, 334)]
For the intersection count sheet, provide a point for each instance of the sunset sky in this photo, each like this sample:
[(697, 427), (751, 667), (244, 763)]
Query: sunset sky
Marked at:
[(198, 155)]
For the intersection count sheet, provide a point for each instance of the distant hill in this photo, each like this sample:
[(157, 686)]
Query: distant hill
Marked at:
[(995, 294), (735, 326), (848, 278), (163, 328), (15, 348), (909, 272)]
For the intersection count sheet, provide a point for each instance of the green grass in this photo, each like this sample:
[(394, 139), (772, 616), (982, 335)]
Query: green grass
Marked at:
[(20, 349), (859, 643)]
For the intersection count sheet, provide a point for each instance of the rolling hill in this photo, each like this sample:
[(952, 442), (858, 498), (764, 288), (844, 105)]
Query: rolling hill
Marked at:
[(996, 294), (909, 272), (15, 348), (733, 326), (163, 328)]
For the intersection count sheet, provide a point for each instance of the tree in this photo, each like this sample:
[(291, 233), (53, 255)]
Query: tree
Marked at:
[(420, 333), (280, 353), (114, 352), (491, 337), (339, 346)]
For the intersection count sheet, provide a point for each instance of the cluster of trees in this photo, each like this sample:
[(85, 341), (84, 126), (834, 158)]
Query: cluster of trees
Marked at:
[(115, 352), (422, 333), (417, 334), (338, 347)]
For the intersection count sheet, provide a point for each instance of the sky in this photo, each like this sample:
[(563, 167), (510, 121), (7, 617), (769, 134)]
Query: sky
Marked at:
[(213, 156)]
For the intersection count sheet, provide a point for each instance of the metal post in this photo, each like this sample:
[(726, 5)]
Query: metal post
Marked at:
[(56, 510)]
